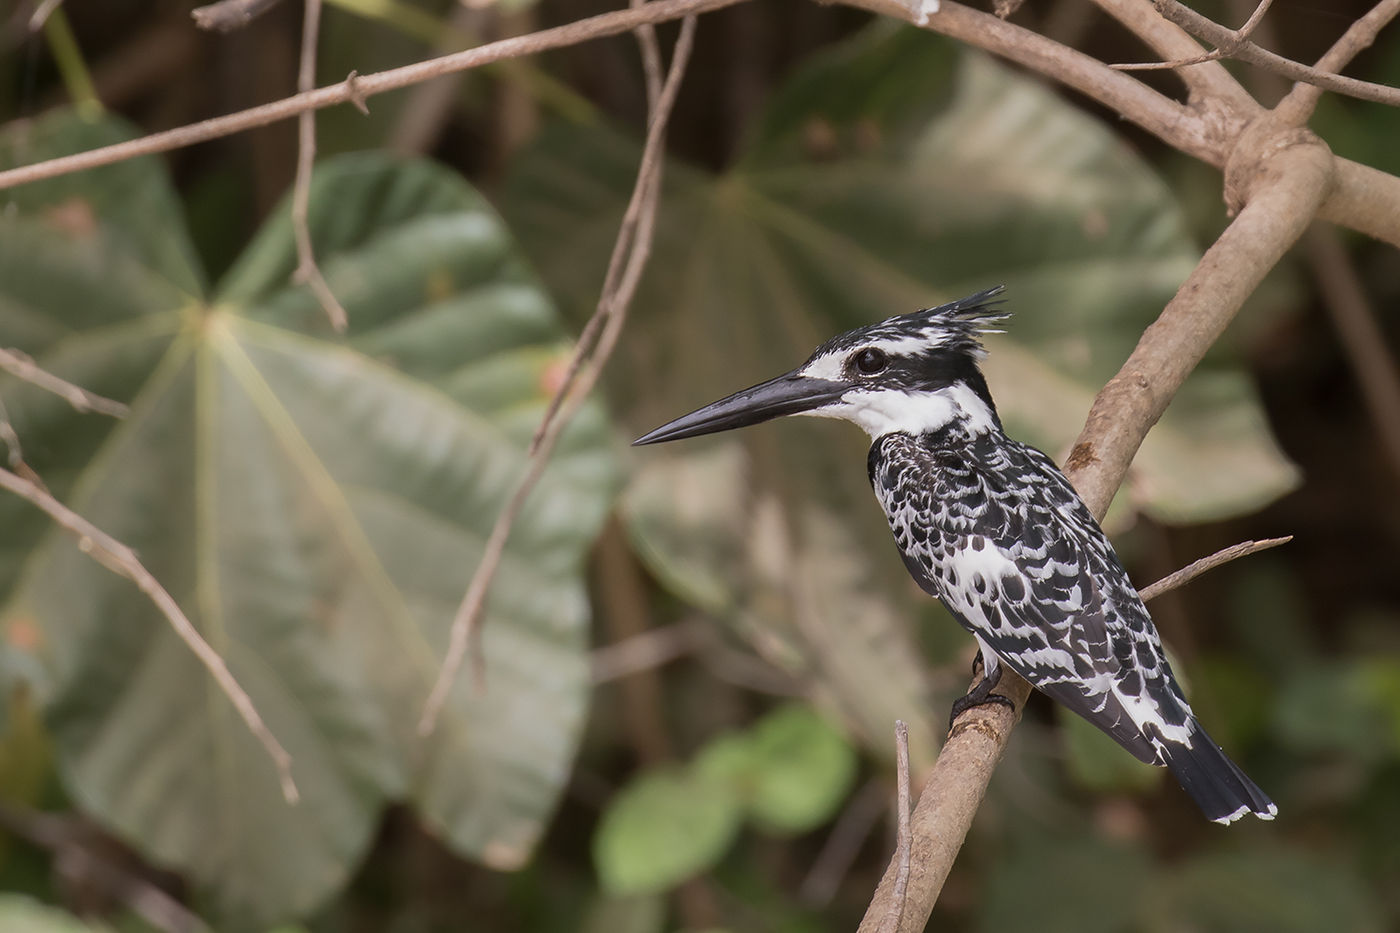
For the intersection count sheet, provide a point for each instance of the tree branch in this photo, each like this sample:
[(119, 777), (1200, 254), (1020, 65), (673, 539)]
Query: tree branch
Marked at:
[(630, 253), (1238, 36), (1208, 80), (361, 87), (22, 366), (1297, 108), (122, 560), (307, 270), (1194, 569), (1247, 51)]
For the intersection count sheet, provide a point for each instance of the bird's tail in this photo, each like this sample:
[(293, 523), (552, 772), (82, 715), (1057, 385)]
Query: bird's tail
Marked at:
[(1222, 791)]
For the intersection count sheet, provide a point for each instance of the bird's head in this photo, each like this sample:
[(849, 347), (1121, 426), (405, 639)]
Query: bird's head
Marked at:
[(913, 373)]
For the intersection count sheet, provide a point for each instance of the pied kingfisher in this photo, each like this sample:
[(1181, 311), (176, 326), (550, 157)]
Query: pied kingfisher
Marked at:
[(993, 529)]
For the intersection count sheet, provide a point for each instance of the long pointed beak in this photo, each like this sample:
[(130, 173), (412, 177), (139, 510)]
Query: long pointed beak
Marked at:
[(789, 394)]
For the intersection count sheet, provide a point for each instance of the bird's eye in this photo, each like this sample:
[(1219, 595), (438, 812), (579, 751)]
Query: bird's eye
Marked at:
[(871, 361)]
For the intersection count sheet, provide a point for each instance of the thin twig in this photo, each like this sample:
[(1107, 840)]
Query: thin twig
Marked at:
[(1344, 297), (1238, 36), (843, 844), (1297, 107), (228, 15), (22, 366), (1247, 51), (362, 87), (1194, 569), (1209, 82), (651, 59), (613, 303), (894, 910), (307, 270), (646, 651), (120, 559), (84, 855)]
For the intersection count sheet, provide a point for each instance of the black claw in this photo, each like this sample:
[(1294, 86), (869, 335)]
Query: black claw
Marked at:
[(979, 695)]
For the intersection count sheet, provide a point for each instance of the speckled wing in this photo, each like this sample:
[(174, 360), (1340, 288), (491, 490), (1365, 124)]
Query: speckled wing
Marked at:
[(994, 530)]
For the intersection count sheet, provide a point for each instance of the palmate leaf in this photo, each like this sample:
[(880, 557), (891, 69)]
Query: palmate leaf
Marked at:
[(893, 173), (316, 507)]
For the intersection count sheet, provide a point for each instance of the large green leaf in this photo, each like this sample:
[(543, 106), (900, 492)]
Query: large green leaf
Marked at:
[(317, 508), (893, 173)]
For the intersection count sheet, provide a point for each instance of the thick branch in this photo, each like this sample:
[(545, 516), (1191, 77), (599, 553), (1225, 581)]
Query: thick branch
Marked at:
[(1289, 187), (1177, 125), (1286, 195)]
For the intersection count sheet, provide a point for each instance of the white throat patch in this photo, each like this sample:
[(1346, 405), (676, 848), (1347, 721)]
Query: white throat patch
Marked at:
[(887, 411)]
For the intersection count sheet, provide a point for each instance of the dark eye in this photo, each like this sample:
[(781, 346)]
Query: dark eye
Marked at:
[(871, 361)]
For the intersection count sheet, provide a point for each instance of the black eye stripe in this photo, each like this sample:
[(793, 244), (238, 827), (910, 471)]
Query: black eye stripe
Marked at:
[(870, 361)]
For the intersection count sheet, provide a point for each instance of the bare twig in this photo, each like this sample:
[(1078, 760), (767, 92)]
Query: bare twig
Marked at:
[(650, 649), (1296, 108), (1247, 51), (894, 911), (1194, 569), (228, 15), (1209, 83), (22, 366), (1362, 338), (362, 87), (651, 59), (1224, 51), (86, 856), (634, 242), (1363, 198), (307, 270), (120, 559), (844, 843)]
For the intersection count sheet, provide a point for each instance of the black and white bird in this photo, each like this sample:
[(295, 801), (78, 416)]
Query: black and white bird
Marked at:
[(992, 528)]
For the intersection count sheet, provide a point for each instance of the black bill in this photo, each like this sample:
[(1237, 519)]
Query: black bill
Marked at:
[(789, 394)]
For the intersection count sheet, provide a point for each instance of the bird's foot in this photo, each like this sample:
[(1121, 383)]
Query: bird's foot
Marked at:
[(979, 695)]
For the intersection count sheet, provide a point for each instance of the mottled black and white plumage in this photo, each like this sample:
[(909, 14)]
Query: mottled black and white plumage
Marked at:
[(993, 529)]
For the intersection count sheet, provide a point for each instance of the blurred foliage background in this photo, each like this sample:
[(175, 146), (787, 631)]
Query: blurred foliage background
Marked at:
[(695, 654)]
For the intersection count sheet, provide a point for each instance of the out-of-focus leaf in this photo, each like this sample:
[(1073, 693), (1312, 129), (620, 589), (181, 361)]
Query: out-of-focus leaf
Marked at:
[(1065, 886), (1241, 700), (316, 509), (802, 769), (664, 827), (1337, 708), (1267, 616), (798, 594), (791, 769), (1261, 889), (1097, 762), (893, 173), (20, 914)]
